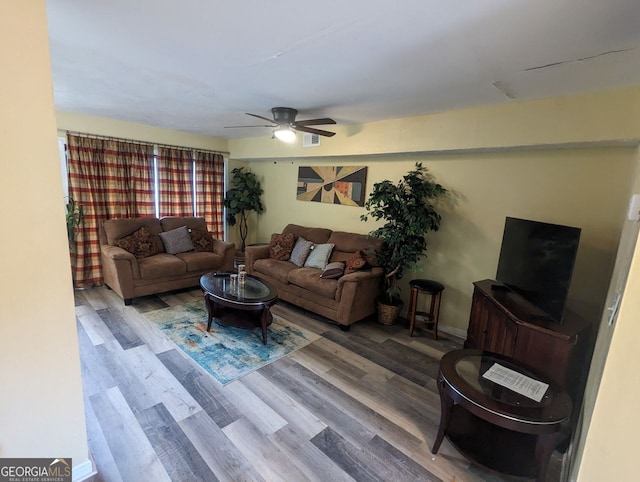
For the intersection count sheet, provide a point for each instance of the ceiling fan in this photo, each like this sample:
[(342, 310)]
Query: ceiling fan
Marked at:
[(284, 122)]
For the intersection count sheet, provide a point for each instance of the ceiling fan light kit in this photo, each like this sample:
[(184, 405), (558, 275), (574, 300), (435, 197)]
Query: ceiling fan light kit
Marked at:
[(285, 134), (285, 124)]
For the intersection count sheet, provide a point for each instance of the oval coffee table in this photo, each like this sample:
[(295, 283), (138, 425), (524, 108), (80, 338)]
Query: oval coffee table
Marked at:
[(493, 425), (243, 306)]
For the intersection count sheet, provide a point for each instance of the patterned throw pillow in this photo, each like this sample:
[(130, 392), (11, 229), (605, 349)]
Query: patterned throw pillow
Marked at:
[(333, 270), (300, 252), (202, 240), (319, 256), (177, 240), (281, 246), (356, 262), (139, 243)]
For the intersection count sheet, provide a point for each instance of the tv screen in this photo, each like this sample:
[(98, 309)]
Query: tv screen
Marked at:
[(536, 261)]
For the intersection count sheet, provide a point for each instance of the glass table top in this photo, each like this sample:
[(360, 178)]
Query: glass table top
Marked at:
[(252, 289), (471, 369), (461, 380)]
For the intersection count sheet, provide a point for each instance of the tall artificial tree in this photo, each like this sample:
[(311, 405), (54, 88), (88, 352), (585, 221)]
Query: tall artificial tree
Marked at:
[(409, 214), (241, 199)]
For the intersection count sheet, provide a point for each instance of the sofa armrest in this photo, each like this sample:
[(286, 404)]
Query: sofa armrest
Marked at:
[(120, 269), (227, 251), (358, 276), (115, 252), (357, 293), (253, 253), (120, 262)]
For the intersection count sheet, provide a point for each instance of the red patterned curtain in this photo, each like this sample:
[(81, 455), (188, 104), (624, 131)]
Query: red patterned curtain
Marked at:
[(210, 191), (109, 179), (175, 181)]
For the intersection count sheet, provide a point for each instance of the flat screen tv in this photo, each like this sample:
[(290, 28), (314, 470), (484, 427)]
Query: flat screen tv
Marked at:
[(536, 261)]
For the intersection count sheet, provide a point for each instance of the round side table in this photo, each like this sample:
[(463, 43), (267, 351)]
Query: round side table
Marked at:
[(494, 426)]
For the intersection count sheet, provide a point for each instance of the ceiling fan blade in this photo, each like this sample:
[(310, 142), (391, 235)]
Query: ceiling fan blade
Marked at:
[(263, 118), (315, 122), (233, 127), (311, 130)]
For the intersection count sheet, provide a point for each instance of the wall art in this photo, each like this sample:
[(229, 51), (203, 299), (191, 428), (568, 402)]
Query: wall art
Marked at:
[(332, 184)]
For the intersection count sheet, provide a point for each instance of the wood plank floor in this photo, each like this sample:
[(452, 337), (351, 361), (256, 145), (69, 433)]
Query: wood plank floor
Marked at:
[(359, 405)]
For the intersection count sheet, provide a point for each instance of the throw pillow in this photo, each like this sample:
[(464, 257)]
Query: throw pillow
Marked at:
[(139, 243), (202, 240), (281, 246), (300, 252), (333, 270), (177, 240), (356, 262), (319, 256)]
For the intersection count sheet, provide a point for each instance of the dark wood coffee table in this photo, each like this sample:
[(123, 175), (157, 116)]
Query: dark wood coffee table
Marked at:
[(494, 426), (245, 306)]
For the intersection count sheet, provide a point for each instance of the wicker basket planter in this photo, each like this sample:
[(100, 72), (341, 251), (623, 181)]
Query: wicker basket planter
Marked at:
[(388, 314)]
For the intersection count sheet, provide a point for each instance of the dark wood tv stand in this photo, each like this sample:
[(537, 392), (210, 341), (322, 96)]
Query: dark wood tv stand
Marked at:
[(503, 322)]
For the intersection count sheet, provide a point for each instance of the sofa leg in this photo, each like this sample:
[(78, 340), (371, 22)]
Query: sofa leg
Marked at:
[(128, 301), (345, 327)]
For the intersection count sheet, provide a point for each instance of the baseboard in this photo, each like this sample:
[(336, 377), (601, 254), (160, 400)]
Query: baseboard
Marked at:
[(83, 471), (451, 330)]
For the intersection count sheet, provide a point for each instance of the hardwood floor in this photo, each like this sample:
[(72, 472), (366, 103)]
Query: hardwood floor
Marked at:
[(359, 405)]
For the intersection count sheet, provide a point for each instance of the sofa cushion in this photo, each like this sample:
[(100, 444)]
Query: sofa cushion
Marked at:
[(300, 252), (309, 278), (201, 261), (115, 229), (356, 262), (351, 242), (274, 268), (333, 270), (202, 240), (192, 222), (161, 266), (281, 246), (319, 256), (139, 243), (177, 240), (315, 235)]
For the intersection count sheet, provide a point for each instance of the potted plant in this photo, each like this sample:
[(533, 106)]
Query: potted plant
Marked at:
[(74, 215), (241, 199), (408, 213)]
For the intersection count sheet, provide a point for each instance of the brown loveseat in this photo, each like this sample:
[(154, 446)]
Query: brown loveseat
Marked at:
[(345, 300), (147, 268)]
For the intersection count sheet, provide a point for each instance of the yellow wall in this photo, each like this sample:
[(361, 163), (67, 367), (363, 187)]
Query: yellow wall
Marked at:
[(560, 121), (41, 408), (587, 188), (611, 443), (68, 121), (606, 331)]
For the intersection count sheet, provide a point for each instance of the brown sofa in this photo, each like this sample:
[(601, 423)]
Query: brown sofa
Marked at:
[(344, 300), (132, 276)]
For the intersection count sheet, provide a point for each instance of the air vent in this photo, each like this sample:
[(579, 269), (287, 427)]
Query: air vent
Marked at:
[(310, 140)]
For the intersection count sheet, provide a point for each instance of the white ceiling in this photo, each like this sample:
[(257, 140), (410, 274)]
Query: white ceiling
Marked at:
[(199, 65)]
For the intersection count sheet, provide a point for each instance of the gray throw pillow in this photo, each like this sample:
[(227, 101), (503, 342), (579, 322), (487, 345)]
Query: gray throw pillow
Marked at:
[(319, 256), (300, 251), (177, 240)]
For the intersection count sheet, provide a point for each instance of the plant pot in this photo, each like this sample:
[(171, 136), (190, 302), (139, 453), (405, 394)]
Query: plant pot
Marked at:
[(388, 314)]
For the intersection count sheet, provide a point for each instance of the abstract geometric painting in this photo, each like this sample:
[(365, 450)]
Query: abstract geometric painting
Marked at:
[(332, 184)]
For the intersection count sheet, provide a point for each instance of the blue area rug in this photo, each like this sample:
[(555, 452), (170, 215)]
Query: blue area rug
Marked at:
[(225, 352)]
